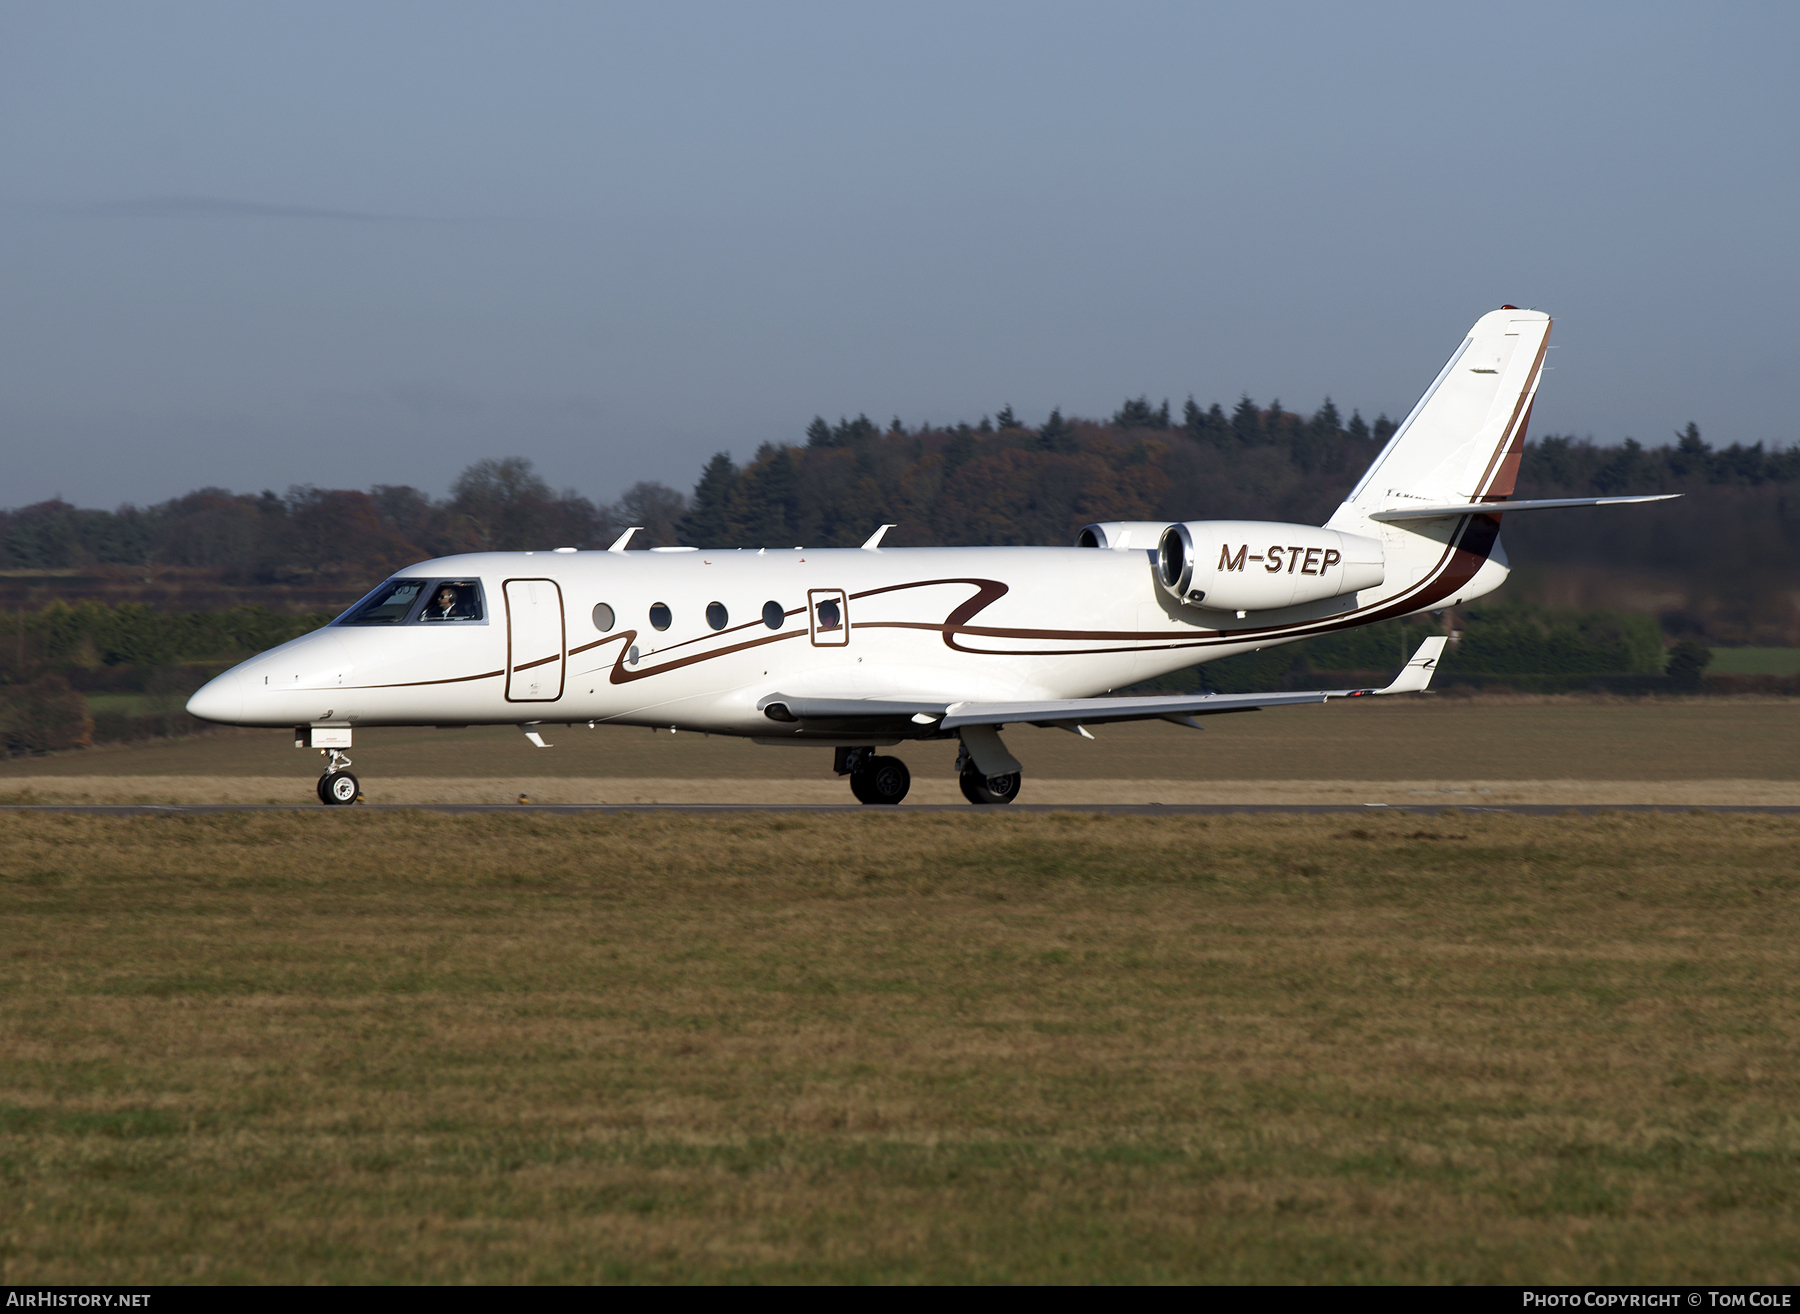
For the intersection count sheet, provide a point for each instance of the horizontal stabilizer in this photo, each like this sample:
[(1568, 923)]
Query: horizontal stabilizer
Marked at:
[(1497, 508)]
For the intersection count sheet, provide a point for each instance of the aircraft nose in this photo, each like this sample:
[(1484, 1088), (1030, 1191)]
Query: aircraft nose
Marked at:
[(219, 699)]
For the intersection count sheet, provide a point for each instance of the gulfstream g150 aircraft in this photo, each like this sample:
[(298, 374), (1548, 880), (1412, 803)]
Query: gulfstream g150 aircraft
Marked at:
[(862, 648)]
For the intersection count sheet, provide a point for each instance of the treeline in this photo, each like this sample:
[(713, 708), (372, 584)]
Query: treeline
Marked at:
[(496, 505), (1716, 565), (1512, 645), (89, 635), (1001, 482), (75, 675)]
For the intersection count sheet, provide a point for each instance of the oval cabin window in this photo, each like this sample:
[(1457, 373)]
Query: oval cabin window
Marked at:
[(603, 617), (773, 615), (659, 615), (717, 616)]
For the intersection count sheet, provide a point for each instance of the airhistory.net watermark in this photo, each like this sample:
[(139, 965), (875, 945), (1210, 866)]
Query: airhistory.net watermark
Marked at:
[(77, 1299)]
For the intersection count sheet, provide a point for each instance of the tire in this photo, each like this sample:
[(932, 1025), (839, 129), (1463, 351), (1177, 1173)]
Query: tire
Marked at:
[(978, 788), (340, 788), (881, 780)]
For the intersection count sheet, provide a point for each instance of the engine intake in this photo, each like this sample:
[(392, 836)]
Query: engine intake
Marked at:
[(1259, 565)]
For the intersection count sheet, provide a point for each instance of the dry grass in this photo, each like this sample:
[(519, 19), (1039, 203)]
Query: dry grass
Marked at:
[(374, 1047), (927, 789), (1425, 737)]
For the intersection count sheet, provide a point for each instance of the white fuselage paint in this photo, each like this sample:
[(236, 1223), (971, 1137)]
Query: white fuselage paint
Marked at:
[(931, 624)]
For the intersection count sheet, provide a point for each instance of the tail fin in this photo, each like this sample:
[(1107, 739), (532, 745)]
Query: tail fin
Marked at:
[(1463, 441)]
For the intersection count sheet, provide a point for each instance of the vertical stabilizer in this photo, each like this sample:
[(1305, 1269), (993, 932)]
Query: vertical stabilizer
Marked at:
[(1463, 440)]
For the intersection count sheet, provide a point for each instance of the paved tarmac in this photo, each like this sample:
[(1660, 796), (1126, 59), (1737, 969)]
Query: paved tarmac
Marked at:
[(1116, 809)]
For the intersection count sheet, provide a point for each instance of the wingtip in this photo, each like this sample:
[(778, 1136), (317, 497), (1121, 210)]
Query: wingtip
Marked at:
[(1415, 677)]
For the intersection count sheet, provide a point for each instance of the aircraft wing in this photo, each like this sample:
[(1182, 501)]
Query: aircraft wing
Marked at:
[(1498, 508), (1087, 711)]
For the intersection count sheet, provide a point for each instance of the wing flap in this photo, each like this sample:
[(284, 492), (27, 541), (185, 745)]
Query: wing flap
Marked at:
[(1413, 678)]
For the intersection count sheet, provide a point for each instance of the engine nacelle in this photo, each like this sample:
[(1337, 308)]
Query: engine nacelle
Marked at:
[(1119, 535), (1259, 565)]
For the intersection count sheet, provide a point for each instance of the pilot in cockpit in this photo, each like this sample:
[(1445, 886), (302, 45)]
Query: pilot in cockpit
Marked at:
[(447, 604)]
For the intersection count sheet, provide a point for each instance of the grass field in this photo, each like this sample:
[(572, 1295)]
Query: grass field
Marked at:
[(1422, 745), (1755, 661), (353, 1047)]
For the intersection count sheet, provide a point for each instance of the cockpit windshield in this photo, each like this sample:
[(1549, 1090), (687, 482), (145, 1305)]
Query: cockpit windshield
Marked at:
[(388, 605), (417, 601)]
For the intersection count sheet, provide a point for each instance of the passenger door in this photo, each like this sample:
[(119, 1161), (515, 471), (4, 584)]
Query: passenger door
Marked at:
[(536, 641)]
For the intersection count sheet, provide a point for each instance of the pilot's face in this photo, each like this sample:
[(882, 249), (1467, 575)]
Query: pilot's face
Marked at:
[(446, 598)]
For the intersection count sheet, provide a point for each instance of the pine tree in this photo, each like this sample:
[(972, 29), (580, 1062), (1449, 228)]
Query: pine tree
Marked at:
[(1058, 435), (851, 432), (986, 426), (1193, 419), (1276, 426), (765, 502), (1005, 419), (959, 450), (1246, 421), (1208, 426), (896, 429), (1160, 420), (1384, 428), (1358, 428), (1136, 414), (1326, 422), (708, 521), (1691, 457)]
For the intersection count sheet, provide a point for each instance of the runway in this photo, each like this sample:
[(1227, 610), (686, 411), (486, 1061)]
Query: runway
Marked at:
[(1110, 809)]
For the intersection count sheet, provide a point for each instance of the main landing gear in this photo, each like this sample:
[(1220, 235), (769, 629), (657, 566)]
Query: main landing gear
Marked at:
[(338, 786), (978, 787), (873, 779)]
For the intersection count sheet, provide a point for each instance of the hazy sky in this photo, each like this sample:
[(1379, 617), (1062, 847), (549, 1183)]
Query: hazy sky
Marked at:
[(258, 245)]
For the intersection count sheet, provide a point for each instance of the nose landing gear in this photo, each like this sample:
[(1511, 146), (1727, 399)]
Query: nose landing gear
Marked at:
[(338, 786), (880, 780)]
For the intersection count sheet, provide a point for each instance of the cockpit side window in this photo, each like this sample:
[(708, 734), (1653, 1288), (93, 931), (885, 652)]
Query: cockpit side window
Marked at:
[(453, 600), (390, 604)]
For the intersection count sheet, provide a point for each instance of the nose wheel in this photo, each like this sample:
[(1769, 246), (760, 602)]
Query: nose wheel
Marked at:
[(872, 779), (337, 787), (880, 780)]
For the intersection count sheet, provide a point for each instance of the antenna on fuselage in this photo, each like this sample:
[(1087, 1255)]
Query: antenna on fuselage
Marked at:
[(620, 542), (875, 538)]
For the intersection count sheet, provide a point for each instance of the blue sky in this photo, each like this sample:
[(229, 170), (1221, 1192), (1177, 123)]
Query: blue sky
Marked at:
[(259, 245)]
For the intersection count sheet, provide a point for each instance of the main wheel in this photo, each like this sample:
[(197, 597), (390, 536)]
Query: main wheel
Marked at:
[(338, 787), (978, 788), (881, 780)]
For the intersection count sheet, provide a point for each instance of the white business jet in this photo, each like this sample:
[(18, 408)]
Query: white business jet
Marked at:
[(862, 648)]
